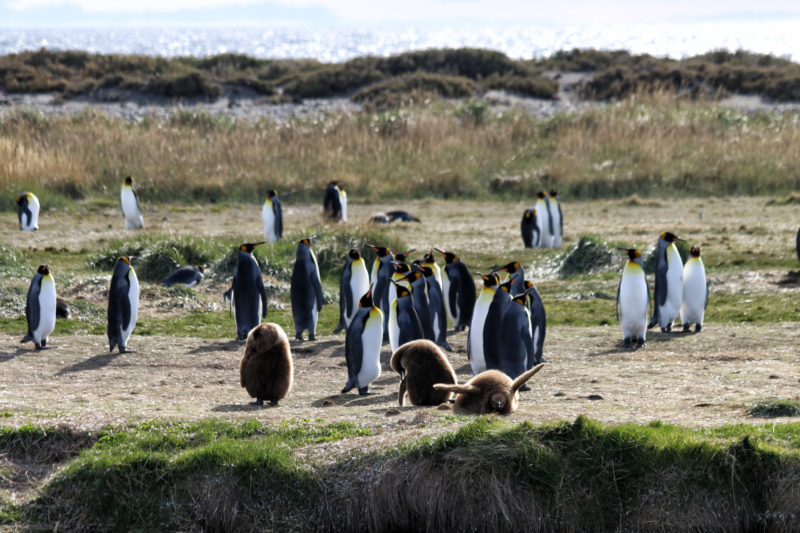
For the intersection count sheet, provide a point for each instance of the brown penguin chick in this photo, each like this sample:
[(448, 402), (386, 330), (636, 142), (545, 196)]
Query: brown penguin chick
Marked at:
[(266, 369), (421, 364), (490, 391), (62, 308)]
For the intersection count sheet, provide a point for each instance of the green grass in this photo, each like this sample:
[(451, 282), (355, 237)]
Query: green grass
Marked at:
[(775, 408)]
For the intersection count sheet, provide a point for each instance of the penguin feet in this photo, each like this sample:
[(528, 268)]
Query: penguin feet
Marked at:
[(698, 327), (273, 403), (686, 327), (640, 343), (339, 328), (312, 337), (669, 328), (627, 343), (362, 391), (299, 338), (125, 350), (258, 401), (43, 347)]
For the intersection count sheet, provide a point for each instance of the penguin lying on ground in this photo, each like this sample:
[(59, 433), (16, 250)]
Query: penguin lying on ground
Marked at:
[(28, 211), (305, 291), (249, 293), (668, 291), (40, 308), (186, 275), (62, 308), (272, 216), (266, 369), (695, 291), (363, 346), (489, 392), (123, 305), (129, 202), (421, 364), (633, 300), (353, 285)]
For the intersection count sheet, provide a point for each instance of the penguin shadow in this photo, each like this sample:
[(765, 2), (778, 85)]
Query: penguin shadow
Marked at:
[(464, 369), (373, 399), (349, 399), (93, 363), (219, 346), (8, 356), (303, 349), (241, 407)]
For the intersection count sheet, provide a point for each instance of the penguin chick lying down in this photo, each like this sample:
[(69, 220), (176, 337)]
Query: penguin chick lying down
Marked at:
[(490, 391)]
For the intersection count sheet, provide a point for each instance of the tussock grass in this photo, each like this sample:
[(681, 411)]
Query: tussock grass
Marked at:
[(775, 408), (589, 256)]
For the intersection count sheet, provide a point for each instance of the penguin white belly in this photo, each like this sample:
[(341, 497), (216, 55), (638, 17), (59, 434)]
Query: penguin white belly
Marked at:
[(694, 293), (394, 328), (268, 217), (371, 339), (343, 202), (669, 311), (133, 298), (556, 217), (543, 221), (437, 273), (436, 330), (359, 285), (130, 210), (33, 207), (47, 309), (633, 305), (446, 296), (477, 359)]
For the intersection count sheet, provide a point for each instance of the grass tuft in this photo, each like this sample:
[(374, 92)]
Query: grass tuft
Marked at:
[(775, 408), (589, 256)]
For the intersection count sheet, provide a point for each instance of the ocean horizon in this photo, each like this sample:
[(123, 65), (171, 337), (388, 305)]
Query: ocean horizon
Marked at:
[(335, 44)]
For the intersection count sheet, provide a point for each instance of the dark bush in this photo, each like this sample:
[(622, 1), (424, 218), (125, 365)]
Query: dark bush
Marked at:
[(439, 84)]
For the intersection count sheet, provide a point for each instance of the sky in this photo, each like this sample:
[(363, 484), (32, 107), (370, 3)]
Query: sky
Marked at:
[(177, 13)]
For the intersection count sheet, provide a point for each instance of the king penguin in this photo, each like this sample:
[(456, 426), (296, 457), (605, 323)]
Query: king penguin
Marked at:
[(538, 318), (272, 216), (40, 308), (544, 221), (123, 304), (353, 285), (633, 299), (517, 352), (429, 261), (419, 292), (343, 203), (306, 291), (436, 307), (28, 211), (362, 346), (129, 202), (797, 244), (516, 274), (188, 276), (668, 291), (529, 228), (458, 289), (382, 270), (695, 291), (475, 336), (332, 203), (557, 218), (249, 294), (404, 323), (399, 272), (491, 324)]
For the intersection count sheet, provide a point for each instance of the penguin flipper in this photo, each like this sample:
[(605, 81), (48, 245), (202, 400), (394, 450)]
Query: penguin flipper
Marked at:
[(317, 284), (705, 304), (262, 291), (276, 210), (32, 310)]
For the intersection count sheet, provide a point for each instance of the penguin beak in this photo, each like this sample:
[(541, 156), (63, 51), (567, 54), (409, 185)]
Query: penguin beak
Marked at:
[(440, 251)]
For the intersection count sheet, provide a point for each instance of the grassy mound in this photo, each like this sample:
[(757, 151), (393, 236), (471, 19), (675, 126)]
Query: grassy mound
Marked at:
[(775, 408), (589, 256)]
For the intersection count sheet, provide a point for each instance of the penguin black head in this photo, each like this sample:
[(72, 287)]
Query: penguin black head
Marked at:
[(354, 253), (530, 213), (669, 237), (43, 270), (402, 291), (366, 300), (124, 259), (510, 268), (505, 286), (428, 258), (333, 183), (201, 268), (129, 181), (250, 246), (633, 253), (449, 257), (553, 192), (541, 194), (401, 268), (382, 251), (425, 271), (522, 299), (403, 256), (695, 251), (22, 199), (411, 277), (307, 241), (489, 280), (273, 193)]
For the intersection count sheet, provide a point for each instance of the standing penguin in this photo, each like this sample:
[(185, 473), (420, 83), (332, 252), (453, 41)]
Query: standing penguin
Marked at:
[(544, 221), (266, 370), (404, 323), (538, 318), (399, 272), (249, 294), (332, 203), (633, 299), (354, 284), (362, 346), (123, 305), (797, 244), (429, 261), (668, 291), (516, 274), (272, 216), (129, 202), (382, 270), (491, 325), (306, 291), (475, 336), (436, 306), (40, 308), (529, 228), (556, 217), (517, 352), (189, 276), (419, 292), (28, 211), (459, 290), (695, 291), (343, 202)]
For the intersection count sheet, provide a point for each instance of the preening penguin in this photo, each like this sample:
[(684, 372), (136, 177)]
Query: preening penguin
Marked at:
[(404, 323), (695, 291), (249, 294), (129, 202), (123, 304), (544, 221), (306, 291), (363, 346), (458, 289), (557, 219), (353, 285), (272, 216), (332, 203), (490, 391), (668, 291), (266, 369), (186, 275), (28, 211), (421, 364), (529, 228), (436, 307), (40, 308), (475, 336), (633, 300)]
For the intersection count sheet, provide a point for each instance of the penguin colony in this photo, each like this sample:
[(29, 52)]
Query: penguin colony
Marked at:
[(406, 304)]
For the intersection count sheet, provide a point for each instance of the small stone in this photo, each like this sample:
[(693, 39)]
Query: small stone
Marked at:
[(392, 412), (594, 397)]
